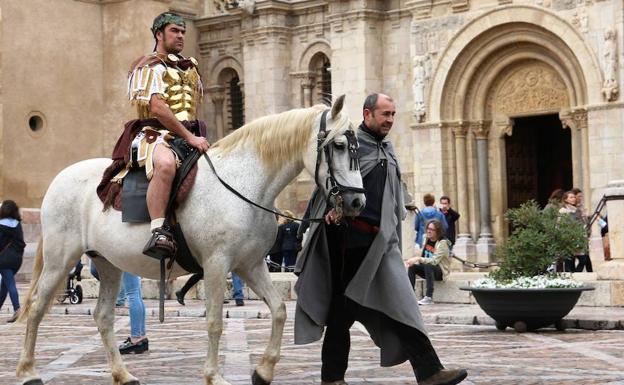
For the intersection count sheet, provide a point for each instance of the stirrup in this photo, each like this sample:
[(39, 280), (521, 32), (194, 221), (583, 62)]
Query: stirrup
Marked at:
[(161, 245)]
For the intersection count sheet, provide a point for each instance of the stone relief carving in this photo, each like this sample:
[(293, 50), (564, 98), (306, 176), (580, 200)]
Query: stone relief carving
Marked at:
[(528, 89), (580, 20), (544, 3), (418, 86), (222, 6), (610, 88)]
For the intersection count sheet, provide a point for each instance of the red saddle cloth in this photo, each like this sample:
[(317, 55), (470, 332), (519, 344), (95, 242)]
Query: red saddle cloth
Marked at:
[(110, 193)]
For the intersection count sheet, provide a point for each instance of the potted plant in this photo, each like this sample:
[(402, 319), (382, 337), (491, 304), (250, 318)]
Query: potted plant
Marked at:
[(526, 292)]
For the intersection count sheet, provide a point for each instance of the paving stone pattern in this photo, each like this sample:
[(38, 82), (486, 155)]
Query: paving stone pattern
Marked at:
[(69, 352)]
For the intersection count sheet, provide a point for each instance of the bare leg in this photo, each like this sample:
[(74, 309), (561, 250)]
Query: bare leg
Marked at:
[(162, 178), (214, 285), (104, 316), (259, 280)]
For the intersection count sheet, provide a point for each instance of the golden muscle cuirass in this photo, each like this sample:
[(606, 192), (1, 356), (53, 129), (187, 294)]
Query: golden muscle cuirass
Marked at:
[(182, 92)]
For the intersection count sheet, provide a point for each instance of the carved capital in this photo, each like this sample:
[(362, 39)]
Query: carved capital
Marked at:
[(480, 129), (217, 93), (305, 78), (460, 129), (503, 127), (574, 119)]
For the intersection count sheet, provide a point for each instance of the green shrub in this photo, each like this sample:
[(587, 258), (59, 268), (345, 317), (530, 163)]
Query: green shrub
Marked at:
[(539, 239)]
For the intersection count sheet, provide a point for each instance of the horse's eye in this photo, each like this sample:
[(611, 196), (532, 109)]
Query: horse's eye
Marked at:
[(339, 146)]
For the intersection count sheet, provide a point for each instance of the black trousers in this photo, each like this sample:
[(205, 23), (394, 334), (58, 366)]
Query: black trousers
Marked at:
[(430, 273), (191, 282), (584, 262), (344, 312), (276, 258)]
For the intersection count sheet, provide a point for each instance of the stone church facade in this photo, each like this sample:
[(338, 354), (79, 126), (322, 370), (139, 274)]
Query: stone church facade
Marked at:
[(498, 101)]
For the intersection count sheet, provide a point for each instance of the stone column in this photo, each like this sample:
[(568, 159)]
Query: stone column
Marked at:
[(464, 245), (307, 86), (217, 94), (570, 119), (305, 80), (485, 244), (614, 269), (581, 118)]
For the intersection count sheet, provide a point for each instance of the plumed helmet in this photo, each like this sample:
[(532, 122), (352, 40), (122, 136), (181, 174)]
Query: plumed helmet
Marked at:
[(165, 18)]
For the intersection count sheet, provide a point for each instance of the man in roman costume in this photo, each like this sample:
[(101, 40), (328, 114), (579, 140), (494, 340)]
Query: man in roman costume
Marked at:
[(166, 89)]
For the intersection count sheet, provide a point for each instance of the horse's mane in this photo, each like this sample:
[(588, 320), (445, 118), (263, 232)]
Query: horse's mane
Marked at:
[(280, 137)]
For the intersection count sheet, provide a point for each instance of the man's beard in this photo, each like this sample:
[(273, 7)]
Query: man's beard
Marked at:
[(171, 48)]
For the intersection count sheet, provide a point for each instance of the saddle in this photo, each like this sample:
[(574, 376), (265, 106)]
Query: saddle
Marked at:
[(134, 203)]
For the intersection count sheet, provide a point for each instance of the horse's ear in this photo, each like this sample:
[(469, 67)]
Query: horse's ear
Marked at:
[(337, 107)]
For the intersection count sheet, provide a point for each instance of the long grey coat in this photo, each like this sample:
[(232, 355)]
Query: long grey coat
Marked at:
[(381, 282)]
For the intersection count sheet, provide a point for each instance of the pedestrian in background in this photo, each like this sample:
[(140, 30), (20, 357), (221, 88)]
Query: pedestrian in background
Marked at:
[(275, 253), (451, 217), (434, 263), (290, 244), (555, 200), (426, 214), (584, 262), (237, 289), (137, 343), (11, 253)]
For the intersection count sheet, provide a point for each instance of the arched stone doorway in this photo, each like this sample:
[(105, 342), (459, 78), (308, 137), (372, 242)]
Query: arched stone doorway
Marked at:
[(499, 70)]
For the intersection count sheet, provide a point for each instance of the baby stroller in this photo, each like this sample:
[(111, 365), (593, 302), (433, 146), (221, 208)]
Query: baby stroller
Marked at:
[(73, 290)]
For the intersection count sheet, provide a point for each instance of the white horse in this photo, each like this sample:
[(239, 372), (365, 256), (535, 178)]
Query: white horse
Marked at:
[(223, 232)]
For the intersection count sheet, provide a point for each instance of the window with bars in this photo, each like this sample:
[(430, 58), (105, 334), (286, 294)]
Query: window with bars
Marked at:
[(320, 66), (236, 103)]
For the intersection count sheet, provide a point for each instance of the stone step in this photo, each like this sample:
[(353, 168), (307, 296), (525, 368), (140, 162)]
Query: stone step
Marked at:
[(606, 293)]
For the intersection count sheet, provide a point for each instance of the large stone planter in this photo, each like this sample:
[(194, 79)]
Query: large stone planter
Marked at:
[(527, 309)]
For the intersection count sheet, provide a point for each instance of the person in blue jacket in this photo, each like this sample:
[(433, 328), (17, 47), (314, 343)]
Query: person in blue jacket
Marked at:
[(425, 215), (11, 253)]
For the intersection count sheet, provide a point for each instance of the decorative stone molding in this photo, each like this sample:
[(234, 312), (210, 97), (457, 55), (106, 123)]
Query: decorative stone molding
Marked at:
[(427, 126), (421, 9), (478, 43), (460, 5), (610, 87), (534, 88)]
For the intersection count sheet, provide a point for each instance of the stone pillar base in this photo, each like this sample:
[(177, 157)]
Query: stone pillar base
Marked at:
[(485, 248), (465, 249), (611, 270)]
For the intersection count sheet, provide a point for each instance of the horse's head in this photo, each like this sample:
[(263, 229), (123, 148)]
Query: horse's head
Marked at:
[(334, 162)]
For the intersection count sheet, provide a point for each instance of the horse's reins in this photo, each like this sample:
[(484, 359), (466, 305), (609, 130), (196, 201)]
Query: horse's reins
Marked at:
[(336, 188)]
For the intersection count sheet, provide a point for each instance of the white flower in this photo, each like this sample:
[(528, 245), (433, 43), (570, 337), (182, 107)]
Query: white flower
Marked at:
[(536, 282)]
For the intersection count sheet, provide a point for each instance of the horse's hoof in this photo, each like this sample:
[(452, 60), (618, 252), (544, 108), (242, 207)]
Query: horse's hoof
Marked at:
[(33, 382), (257, 380), (133, 382)]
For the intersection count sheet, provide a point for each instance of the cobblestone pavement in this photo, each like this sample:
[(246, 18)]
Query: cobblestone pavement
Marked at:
[(69, 352)]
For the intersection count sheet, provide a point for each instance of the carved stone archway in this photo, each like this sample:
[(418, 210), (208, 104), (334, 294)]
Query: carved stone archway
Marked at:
[(509, 62)]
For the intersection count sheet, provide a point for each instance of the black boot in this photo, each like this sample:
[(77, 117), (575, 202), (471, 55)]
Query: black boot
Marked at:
[(161, 245)]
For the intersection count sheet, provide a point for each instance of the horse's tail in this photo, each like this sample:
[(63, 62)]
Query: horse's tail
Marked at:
[(34, 283)]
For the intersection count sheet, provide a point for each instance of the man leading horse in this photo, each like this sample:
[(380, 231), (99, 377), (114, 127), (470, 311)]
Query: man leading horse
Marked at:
[(353, 270)]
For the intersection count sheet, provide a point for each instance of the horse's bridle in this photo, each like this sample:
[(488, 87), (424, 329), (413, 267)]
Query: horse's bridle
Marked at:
[(334, 188)]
